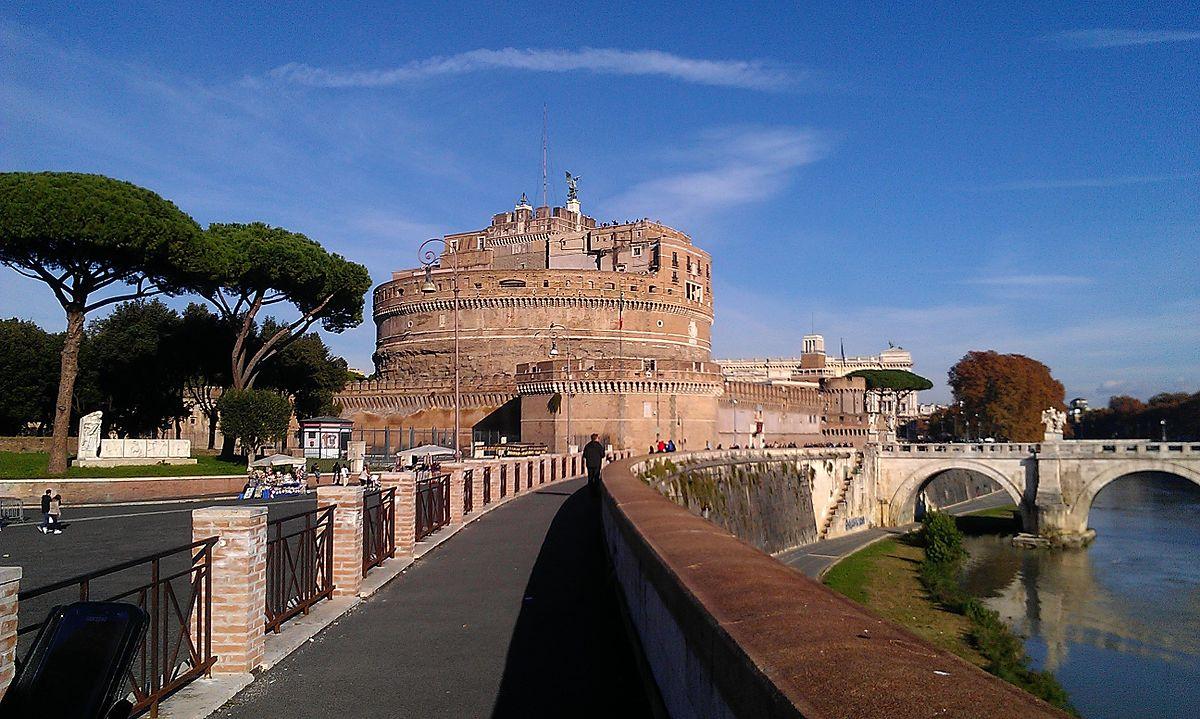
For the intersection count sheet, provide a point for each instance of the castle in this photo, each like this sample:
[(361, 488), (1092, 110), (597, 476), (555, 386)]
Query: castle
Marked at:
[(566, 327)]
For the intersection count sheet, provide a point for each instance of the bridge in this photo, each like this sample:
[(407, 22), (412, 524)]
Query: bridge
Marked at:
[(1053, 482)]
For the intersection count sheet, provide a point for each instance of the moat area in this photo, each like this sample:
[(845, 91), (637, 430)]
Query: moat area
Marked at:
[(1118, 623)]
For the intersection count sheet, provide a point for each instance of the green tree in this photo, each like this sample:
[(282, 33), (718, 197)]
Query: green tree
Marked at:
[(205, 365), (1005, 392), (307, 372), (134, 358), (256, 266), (94, 241), (254, 417), (28, 373)]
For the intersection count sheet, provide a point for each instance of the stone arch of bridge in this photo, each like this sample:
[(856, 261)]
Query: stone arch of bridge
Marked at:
[(903, 500), (1082, 506)]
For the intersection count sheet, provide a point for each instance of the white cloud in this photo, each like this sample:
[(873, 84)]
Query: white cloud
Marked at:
[(748, 74), (736, 166), (1031, 281), (1116, 37)]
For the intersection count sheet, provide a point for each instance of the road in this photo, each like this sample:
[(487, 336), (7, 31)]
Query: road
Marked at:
[(514, 616), (98, 537), (813, 559)]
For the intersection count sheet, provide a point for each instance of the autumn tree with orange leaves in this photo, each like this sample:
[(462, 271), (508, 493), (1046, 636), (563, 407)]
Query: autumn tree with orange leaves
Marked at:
[(1008, 392)]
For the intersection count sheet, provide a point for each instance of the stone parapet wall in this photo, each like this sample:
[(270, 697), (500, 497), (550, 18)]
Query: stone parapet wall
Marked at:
[(131, 489), (727, 631)]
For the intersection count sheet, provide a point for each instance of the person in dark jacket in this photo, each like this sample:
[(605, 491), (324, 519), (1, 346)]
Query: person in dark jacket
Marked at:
[(593, 459), (44, 527)]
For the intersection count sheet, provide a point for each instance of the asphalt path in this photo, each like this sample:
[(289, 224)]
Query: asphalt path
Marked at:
[(97, 537), (813, 559), (515, 616)]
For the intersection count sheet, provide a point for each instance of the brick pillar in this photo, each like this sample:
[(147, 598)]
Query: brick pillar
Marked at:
[(10, 582), (239, 584), (456, 490), (477, 486), (347, 536), (406, 509)]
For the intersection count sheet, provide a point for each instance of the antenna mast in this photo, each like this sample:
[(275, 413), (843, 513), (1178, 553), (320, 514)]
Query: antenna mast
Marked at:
[(545, 185)]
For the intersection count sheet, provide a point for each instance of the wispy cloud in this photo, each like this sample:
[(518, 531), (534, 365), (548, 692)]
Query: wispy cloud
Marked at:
[(1086, 182), (1030, 280), (736, 166), (1117, 37), (748, 74)]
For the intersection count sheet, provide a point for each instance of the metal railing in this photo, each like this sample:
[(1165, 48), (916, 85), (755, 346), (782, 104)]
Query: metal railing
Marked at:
[(468, 478), (177, 647), (11, 510), (504, 477), (433, 505), (379, 527), (487, 485), (299, 564)]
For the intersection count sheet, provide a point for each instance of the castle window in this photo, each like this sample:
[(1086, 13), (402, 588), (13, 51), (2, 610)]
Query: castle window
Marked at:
[(441, 320), (660, 323), (653, 289), (545, 283), (637, 251), (633, 288), (675, 277), (609, 286), (479, 244), (695, 292), (675, 259)]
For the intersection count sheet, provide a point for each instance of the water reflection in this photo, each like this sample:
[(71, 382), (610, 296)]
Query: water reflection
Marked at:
[(1119, 622)]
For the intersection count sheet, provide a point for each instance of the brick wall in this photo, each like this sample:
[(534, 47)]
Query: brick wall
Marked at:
[(100, 491), (239, 583), (10, 580)]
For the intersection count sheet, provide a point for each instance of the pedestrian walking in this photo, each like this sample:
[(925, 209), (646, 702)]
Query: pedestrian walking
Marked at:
[(55, 512), (593, 459), (44, 527)]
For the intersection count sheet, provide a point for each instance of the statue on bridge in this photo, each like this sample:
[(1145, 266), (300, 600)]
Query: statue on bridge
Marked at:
[(1054, 420)]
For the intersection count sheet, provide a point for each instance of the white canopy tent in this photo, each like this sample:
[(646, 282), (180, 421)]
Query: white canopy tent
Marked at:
[(277, 460), (407, 457)]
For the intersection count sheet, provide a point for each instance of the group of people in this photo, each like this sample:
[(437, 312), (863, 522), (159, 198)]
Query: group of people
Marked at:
[(51, 513), (668, 446), (341, 475)]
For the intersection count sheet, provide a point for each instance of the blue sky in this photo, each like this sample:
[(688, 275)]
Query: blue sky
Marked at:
[(944, 177)]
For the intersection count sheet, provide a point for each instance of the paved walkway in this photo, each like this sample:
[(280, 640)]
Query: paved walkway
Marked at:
[(514, 616), (813, 559)]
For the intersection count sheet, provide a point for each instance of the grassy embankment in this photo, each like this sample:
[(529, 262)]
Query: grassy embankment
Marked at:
[(32, 465), (902, 582)]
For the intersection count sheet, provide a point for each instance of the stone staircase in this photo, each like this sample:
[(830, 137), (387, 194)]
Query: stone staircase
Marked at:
[(836, 506)]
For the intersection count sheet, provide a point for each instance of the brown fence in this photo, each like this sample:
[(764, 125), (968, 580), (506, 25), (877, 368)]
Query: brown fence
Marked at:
[(299, 564), (468, 478), (379, 527), (487, 485), (433, 505), (175, 588)]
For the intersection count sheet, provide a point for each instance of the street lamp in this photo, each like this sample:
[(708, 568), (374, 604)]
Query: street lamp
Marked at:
[(553, 352), (429, 257), (1163, 424)]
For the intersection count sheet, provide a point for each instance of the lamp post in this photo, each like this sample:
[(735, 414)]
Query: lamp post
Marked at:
[(429, 258), (1162, 423), (553, 352)]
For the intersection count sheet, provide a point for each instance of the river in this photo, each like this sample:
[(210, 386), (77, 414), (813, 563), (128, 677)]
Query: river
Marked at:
[(1117, 623)]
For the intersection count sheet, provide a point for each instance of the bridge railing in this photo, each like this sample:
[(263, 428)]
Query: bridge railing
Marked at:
[(1075, 447), (264, 573)]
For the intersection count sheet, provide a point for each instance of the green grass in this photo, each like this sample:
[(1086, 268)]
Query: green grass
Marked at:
[(1004, 512), (852, 575), (32, 465)]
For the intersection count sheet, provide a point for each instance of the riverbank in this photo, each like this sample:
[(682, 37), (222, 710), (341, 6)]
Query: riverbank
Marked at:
[(895, 579)]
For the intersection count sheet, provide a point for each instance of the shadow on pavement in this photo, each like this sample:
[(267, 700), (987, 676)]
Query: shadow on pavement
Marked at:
[(570, 654)]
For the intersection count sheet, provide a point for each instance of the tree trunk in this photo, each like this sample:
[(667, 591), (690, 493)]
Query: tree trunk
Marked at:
[(212, 428), (68, 371)]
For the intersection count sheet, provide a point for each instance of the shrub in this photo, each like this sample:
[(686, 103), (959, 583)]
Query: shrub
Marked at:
[(943, 540)]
